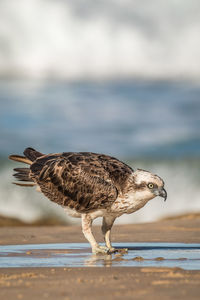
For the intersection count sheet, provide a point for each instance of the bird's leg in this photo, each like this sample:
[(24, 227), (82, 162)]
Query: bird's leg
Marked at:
[(87, 231), (106, 229)]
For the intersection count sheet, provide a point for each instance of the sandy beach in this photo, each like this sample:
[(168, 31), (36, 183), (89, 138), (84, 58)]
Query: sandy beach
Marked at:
[(180, 229), (102, 282)]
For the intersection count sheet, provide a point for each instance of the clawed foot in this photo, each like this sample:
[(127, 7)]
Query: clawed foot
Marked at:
[(105, 250), (120, 251), (100, 250), (112, 250)]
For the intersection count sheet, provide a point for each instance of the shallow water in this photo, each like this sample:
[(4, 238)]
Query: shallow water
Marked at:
[(186, 256)]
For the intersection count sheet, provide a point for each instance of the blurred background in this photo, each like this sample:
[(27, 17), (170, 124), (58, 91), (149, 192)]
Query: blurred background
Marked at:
[(120, 77)]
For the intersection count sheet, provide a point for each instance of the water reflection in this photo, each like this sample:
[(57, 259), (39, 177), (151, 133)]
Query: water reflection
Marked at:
[(103, 260)]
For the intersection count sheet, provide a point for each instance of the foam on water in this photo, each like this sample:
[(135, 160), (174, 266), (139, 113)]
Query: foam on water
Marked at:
[(186, 256), (99, 39)]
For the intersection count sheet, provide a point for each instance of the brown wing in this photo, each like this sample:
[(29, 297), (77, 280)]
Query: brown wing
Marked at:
[(77, 180)]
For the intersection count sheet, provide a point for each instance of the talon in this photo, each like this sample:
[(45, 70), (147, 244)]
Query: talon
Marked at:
[(112, 250), (121, 251)]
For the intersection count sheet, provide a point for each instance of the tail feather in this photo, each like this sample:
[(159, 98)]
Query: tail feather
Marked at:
[(24, 170), (21, 177), (23, 174), (32, 154), (25, 184), (20, 158)]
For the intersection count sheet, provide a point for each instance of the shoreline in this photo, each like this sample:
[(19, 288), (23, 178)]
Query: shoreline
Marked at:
[(180, 229)]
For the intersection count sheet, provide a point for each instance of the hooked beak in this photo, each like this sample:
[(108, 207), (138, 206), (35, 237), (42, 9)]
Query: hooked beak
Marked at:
[(163, 194)]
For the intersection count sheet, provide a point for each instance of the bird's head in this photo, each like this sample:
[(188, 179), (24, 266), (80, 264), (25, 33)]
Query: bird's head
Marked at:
[(150, 185)]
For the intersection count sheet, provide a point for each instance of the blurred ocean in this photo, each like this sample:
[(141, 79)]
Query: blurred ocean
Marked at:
[(149, 124), (119, 77), (99, 39)]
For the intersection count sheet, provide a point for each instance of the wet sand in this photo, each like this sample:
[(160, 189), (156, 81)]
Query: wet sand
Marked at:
[(102, 282), (99, 283)]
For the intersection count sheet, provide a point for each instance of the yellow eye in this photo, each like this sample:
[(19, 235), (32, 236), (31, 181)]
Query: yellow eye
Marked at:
[(150, 186)]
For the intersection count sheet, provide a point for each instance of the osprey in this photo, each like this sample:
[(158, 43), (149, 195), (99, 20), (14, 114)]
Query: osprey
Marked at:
[(89, 185)]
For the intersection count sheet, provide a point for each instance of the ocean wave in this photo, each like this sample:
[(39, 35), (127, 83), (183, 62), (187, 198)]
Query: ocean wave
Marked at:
[(99, 39)]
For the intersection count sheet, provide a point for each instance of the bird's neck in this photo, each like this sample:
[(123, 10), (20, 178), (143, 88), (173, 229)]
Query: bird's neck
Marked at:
[(131, 202)]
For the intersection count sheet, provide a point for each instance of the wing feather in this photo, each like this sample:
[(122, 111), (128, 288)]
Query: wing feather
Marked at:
[(78, 181)]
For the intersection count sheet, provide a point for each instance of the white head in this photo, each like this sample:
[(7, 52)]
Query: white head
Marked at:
[(150, 185)]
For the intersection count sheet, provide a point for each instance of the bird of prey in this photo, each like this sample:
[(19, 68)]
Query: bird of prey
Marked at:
[(89, 185)]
